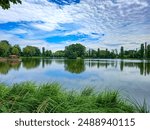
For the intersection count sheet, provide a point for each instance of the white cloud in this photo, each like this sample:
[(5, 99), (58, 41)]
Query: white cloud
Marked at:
[(18, 31), (13, 39), (122, 21)]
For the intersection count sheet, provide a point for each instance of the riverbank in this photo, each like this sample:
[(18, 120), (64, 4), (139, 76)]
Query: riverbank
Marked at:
[(51, 98), (2, 59)]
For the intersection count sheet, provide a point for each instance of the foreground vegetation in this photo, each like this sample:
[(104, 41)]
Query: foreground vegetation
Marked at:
[(51, 98)]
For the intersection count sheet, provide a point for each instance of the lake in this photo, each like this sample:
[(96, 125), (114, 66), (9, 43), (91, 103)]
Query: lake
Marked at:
[(131, 77)]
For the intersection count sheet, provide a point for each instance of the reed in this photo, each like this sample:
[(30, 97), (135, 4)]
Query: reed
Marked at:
[(29, 97)]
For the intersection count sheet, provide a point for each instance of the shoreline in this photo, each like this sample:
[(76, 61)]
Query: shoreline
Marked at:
[(9, 59)]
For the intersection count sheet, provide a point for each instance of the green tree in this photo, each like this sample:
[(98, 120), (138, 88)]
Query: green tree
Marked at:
[(112, 54), (145, 49), (148, 51), (122, 52), (31, 51), (48, 53), (5, 4), (15, 51), (98, 53), (89, 52), (43, 51), (94, 54), (75, 50), (18, 47), (4, 48), (142, 51), (107, 54), (27, 51), (59, 53)]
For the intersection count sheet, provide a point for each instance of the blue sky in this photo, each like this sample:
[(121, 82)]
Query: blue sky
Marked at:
[(55, 24)]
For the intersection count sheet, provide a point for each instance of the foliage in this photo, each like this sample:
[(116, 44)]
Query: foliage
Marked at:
[(5, 4), (59, 53), (142, 50), (15, 51), (94, 54), (43, 51), (4, 48), (48, 53), (75, 50), (51, 98), (98, 52), (148, 51), (101, 53), (18, 49), (31, 51), (142, 108), (122, 52)]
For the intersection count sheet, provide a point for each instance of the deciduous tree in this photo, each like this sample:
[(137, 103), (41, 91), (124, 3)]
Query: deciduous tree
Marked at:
[(5, 4)]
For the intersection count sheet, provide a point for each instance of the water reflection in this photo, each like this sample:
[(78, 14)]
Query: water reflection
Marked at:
[(121, 65), (100, 63), (46, 62), (5, 67), (31, 63), (76, 66)]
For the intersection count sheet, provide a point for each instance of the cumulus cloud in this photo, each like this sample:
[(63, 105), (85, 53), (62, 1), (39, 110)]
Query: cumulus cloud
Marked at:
[(121, 21)]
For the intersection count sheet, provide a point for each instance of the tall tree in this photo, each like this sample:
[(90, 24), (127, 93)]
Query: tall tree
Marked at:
[(5, 4), (43, 51), (148, 51), (98, 53), (142, 51), (107, 54), (122, 52), (89, 52), (94, 53), (145, 49)]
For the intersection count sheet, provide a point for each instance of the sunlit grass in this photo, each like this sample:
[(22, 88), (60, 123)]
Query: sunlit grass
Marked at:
[(51, 98)]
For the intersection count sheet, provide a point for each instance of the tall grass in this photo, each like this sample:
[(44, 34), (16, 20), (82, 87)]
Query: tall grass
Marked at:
[(51, 98)]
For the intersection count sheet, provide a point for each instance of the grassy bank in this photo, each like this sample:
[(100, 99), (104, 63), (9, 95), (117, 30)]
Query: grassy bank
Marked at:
[(51, 98)]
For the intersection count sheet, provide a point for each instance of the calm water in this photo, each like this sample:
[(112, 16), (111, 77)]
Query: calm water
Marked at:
[(131, 77)]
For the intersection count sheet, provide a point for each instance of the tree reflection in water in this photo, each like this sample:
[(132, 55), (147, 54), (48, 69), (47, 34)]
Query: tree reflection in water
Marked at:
[(75, 66), (30, 63), (5, 67)]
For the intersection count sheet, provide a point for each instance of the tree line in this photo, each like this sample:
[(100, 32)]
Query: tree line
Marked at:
[(7, 49), (74, 51)]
